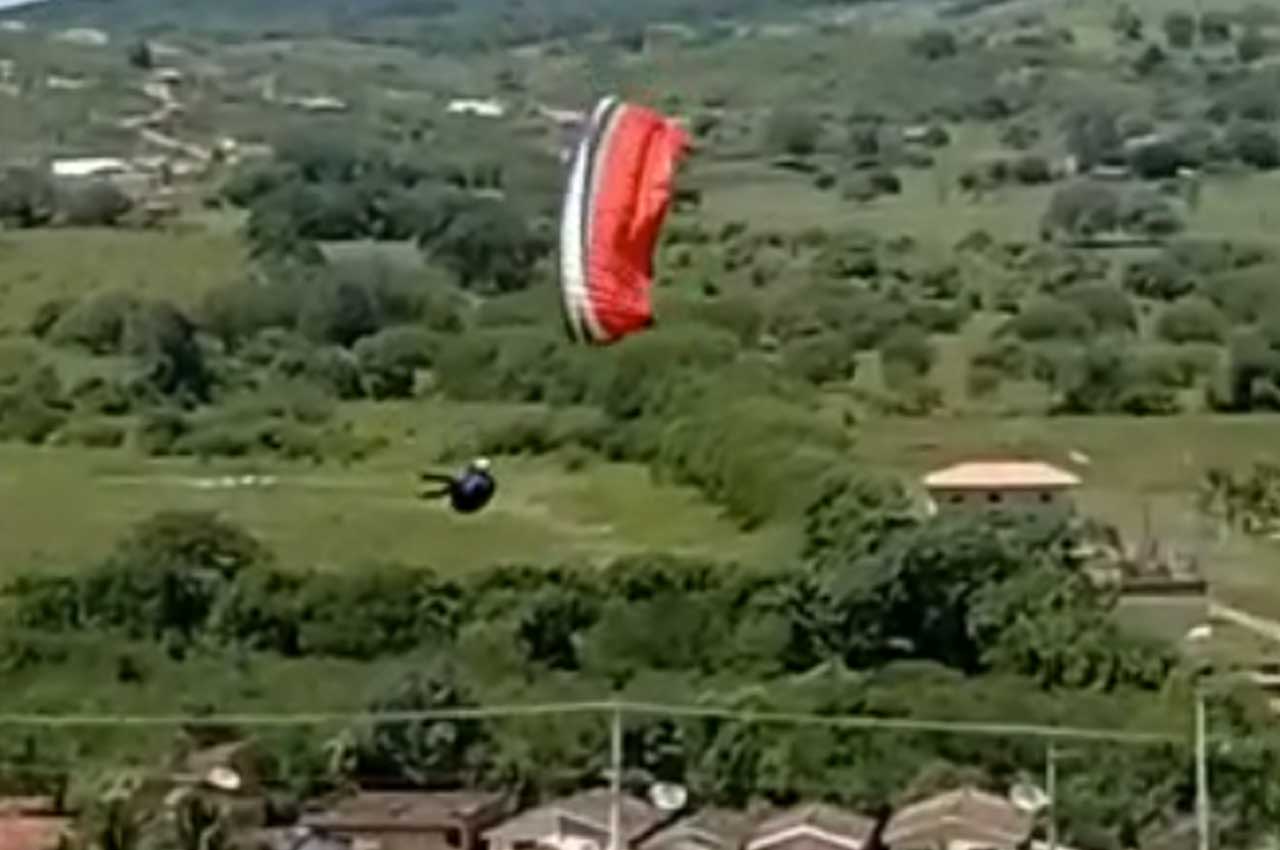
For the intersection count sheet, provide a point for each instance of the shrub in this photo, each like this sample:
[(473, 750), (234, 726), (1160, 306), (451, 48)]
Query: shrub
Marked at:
[(93, 434), (1192, 320)]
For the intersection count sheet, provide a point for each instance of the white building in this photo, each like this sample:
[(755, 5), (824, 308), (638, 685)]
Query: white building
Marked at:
[(1000, 484), (478, 108), (88, 167)]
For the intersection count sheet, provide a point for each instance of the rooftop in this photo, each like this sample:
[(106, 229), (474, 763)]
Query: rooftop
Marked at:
[(1003, 475), (590, 808), (966, 815), (405, 807), (844, 827)]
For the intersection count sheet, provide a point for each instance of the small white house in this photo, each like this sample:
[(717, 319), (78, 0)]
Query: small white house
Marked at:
[(478, 108), (88, 167), (991, 485)]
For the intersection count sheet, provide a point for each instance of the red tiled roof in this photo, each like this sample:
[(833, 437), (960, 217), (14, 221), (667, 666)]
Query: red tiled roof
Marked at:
[(809, 821), (1004, 475), (965, 815), (22, 832)]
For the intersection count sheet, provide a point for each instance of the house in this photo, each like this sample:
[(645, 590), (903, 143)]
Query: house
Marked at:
[(964, 819), (32, 823), (815, 826), (84, 37), (709, 829), (996, 484), (410, 820), (580, 822), (478, 108), (89, 168)]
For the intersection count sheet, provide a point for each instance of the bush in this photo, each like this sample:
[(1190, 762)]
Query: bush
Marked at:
[(1147, 214), (820, 359), (1082, 210), (1107, 306), (1192, 320), (1159, 278), (1256, 145), (1180, 29), (910, 350), (27, 198), (1157, 160), (102, 396), (100, 204), (93, 434), (793, 132), (1032, 170), (1215, 28), (391, 360), (1050, 319), (1252, 45), (96, 324), (934, 44)]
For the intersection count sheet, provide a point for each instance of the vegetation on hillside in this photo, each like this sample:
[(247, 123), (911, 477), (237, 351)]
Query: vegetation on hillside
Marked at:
[(887, 221)]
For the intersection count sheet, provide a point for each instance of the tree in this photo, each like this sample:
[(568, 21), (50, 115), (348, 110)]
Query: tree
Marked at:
[(934, 44), (489, 246), (1107, 306), (907, 354), (1149, 60), (27, 198), (1157, 160), (1180, 29), (1048, 318), (1215, 28), (1151, 215), (192, 540), (99, 204), (1032, 170), (1252, 45), (391, 359), (426, 753), (794, 132), (140, 56), (96, 324), (1092, 134), (1192, 320), (1256, 145), (1127, 24), (164, 340), (1082, 210)]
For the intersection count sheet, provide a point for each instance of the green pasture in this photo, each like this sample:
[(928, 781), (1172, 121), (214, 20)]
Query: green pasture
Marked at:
[(39, 265), (64, 508)]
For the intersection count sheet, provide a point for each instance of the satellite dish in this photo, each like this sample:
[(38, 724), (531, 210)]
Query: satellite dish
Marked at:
[(223, 778), (1028, 798), (1200, 633), (668, 796)]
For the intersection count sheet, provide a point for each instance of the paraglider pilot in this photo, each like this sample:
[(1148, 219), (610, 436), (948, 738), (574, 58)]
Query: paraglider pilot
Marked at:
[(468, 491)]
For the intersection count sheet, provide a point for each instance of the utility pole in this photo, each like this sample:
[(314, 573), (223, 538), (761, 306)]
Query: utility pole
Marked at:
[(1051, 788), (1202, 771), (615, 781)]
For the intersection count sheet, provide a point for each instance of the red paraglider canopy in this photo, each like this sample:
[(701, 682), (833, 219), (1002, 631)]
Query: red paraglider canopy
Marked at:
[(620, 190)]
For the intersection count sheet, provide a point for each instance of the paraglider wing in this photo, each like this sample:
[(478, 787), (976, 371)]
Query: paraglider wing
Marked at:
[(620, 189)]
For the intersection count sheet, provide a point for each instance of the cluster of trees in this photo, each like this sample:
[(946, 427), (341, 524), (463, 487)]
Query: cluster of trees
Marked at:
[(887, 614), (1210, 328), (29, 199), (1087, 209), (323, 189), (1248, 500)]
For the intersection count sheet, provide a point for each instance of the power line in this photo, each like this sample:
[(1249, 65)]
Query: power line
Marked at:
[(603, 708)]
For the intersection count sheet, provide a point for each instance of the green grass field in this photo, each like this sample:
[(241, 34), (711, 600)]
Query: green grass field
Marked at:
[(64, 508), (1142, 476), (36, 266)]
